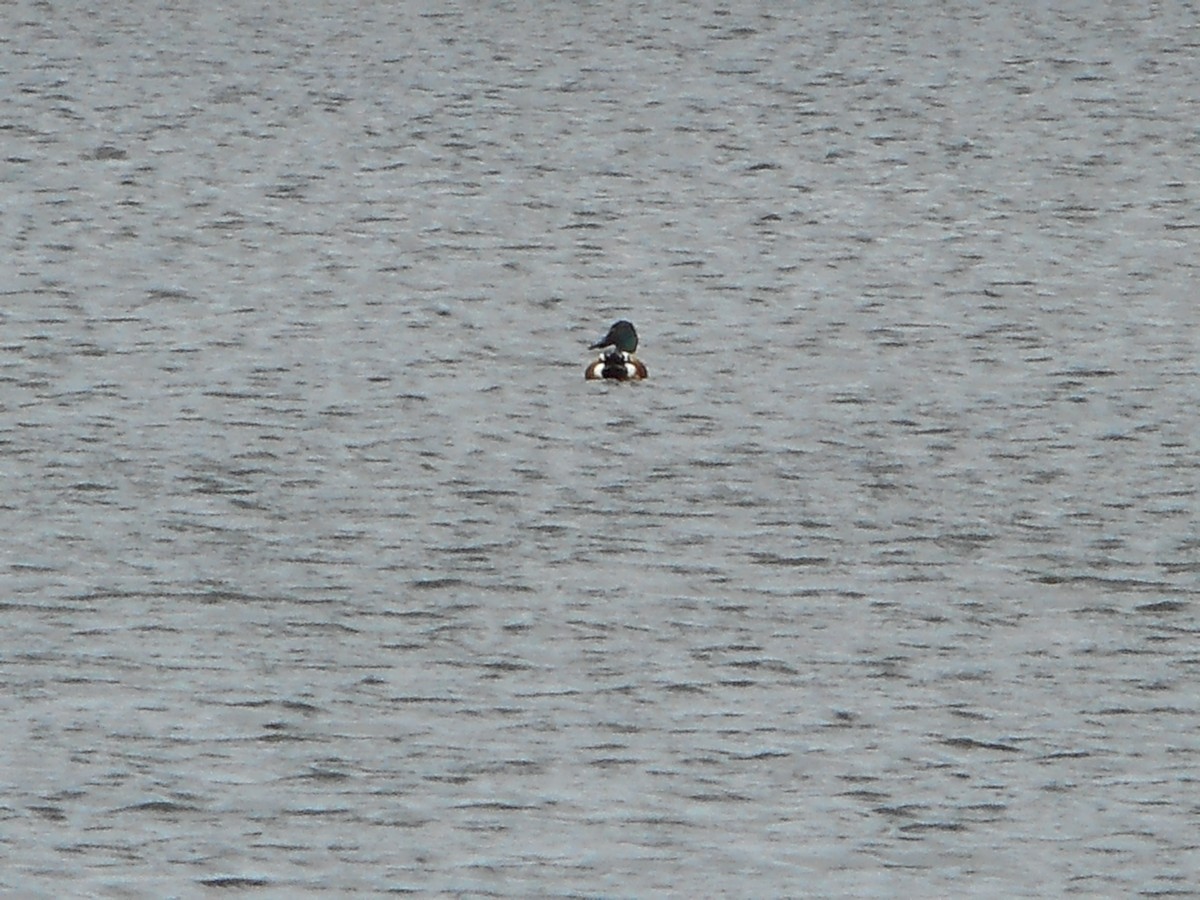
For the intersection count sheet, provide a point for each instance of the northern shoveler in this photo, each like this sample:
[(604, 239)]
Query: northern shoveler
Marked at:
[(619, 364)]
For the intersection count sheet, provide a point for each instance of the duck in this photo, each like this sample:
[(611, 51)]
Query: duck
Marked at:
[(619, 364)]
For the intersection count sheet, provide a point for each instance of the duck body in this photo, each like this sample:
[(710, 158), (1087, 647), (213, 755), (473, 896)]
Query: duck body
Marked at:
[(618, 364)]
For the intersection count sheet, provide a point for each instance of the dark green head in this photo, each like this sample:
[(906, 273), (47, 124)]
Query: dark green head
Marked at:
[(622, 335)]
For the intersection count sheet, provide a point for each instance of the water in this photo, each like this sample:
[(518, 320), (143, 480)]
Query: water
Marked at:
[(326, 572)]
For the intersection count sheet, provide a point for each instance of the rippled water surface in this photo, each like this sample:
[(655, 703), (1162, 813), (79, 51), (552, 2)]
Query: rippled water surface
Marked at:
[(325, 571)]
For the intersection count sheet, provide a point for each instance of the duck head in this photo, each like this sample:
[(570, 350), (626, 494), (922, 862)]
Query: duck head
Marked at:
[(622, 335)]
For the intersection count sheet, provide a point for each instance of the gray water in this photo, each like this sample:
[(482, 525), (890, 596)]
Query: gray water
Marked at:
[(325, 571)]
